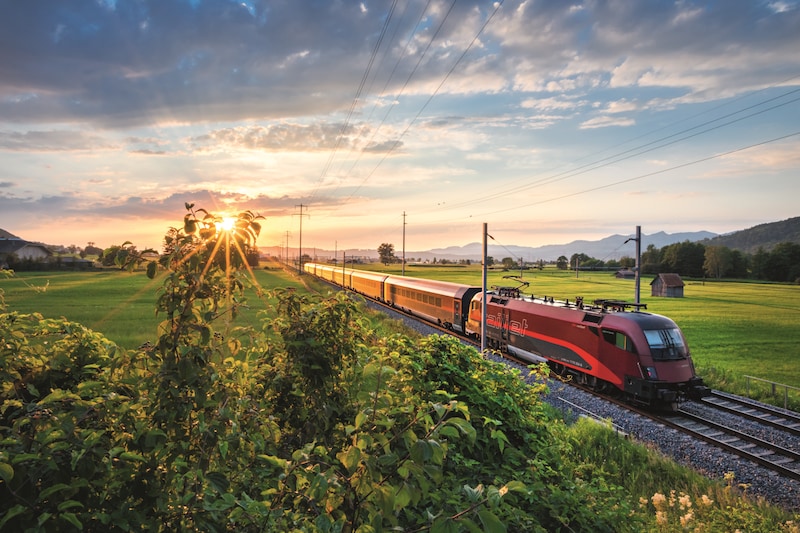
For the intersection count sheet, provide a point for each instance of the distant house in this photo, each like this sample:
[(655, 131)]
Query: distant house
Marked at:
[(21, 249), (667, 285), (625, 273)]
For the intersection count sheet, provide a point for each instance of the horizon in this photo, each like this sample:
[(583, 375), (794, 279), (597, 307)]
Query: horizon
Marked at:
[(362, 123)]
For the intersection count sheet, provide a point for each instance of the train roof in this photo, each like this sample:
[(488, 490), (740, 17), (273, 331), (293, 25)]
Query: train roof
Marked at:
[(600, 311), (365, 274), (444, 288)]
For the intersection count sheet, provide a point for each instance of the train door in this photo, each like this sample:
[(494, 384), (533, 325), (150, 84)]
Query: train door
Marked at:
[(457, 314), (505, 324)]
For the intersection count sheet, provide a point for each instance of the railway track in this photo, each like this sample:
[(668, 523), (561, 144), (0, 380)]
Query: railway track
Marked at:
[(773, 417), (771, 456)]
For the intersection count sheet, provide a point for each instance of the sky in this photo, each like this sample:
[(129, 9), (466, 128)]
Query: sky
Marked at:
[(350, 124)]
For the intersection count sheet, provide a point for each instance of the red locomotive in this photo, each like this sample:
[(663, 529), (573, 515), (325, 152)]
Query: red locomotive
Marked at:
[(611, 346)]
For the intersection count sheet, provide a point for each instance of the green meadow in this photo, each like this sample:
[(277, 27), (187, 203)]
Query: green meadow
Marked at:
[(118, 304), (734, 329)]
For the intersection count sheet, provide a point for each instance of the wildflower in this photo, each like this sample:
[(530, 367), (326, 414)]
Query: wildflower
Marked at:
[(642, 502), (705, 501), (658, 500), (685, 519), (685, 501), (728, 477), (661, 517)]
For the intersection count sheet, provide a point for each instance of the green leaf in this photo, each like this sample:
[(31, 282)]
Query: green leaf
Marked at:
[(445, 525), (223, 448), (516, 486), (49, 491), (350, 458), (361, 417), (72, 519), (69, 504), (6, 472), (273, 460), (11, 513), (128, 456), (219, 481), (491, 524)]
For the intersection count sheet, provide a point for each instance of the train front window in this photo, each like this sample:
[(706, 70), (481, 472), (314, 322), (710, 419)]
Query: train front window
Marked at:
[(666, 344)]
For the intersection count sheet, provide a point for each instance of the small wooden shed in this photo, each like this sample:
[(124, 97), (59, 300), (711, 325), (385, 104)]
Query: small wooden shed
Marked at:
[(667, 285), (625, 273)]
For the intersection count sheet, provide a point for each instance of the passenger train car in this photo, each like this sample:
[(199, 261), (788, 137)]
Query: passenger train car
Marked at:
[(611, 346)]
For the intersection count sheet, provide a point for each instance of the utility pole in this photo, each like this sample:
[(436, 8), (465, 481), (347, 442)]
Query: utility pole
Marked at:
[(287, 248), (638, 266), (300, 255), (404, 244), (483, 288)]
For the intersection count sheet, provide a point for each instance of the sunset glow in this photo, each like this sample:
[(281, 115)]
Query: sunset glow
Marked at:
[(352, 124)]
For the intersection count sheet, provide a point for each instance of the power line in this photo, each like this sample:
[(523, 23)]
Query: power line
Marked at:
[(642, 176)]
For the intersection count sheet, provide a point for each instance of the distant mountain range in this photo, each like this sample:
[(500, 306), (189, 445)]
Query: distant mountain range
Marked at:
[(749, 240), (612, 247)]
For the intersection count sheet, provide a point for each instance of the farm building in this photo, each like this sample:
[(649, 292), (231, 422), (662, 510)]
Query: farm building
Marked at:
[(668, 285), (12, 245), (625, 273)]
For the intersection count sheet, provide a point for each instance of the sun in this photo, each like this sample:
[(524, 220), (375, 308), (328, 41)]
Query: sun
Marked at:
[(227, 224)]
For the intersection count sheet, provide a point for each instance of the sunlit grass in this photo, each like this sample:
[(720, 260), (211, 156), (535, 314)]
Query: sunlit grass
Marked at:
[(119, 304)]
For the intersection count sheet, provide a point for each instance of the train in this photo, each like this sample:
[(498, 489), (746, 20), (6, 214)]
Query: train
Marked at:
[(611, 346)]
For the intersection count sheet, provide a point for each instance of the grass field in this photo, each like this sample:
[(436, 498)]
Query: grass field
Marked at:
[(120, 305), (734, 329)]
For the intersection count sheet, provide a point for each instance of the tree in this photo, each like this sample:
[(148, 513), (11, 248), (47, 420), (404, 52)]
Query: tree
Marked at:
[(685, 258), (562, 263), (386, 253), (717, 261), (509, 262), (783, 263), (651, 260)]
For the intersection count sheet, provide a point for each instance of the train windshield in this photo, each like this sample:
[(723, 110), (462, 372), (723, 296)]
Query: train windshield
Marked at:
[(666, 344)]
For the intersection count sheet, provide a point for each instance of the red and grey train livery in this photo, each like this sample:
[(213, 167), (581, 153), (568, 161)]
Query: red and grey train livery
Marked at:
[(609, 345)]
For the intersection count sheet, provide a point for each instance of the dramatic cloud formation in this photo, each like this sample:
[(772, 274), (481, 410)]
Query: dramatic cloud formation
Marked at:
[(551, 121)]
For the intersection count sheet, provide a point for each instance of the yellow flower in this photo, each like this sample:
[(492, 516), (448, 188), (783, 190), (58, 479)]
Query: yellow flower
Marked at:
[(706, 501), (658, 500), (728, 477), (685, 501)]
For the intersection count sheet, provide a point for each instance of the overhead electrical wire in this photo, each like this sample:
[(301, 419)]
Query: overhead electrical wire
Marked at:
[(357, 97), (641, 176), (431, 97), (633, 152)]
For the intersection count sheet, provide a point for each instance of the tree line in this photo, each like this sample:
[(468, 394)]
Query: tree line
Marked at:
[(694, 259)]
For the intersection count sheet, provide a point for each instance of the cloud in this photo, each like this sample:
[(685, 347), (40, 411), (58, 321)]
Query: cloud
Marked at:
[(283, 137), (606, 121), (52, 141)]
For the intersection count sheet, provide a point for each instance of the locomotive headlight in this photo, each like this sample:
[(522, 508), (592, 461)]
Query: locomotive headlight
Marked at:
[(651, 372)]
